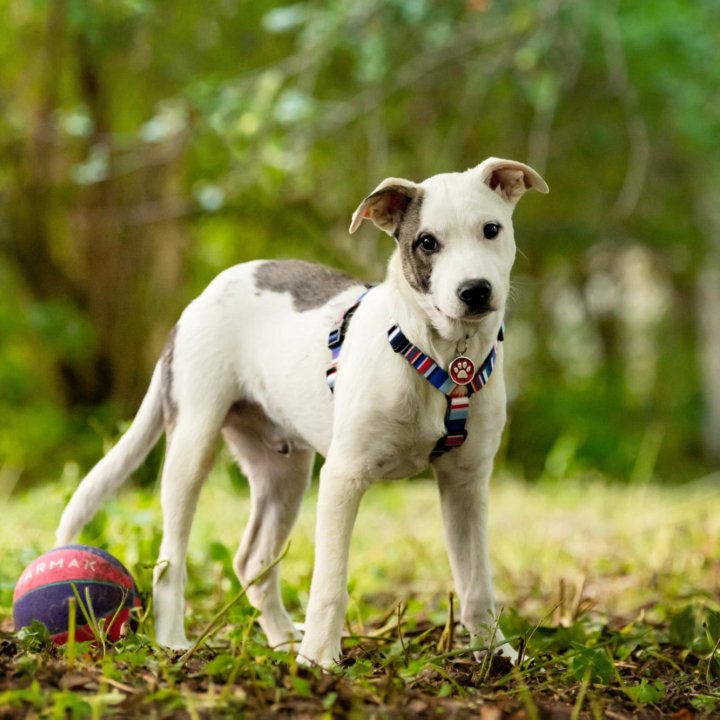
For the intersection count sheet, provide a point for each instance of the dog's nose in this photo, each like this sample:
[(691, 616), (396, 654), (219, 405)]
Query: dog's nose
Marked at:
[(475, 294)]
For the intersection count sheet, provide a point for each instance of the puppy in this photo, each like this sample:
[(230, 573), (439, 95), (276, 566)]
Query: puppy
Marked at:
[(414, 378)]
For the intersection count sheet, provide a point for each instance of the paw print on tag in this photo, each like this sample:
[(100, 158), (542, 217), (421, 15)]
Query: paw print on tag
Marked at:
[(461, 370)]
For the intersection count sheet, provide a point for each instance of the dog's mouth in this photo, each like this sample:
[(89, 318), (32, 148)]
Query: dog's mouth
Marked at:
[(473, 316), (479, 314)]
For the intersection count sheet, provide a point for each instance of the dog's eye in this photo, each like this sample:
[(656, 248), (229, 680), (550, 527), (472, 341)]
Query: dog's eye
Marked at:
[(428, 243), (491, 230)]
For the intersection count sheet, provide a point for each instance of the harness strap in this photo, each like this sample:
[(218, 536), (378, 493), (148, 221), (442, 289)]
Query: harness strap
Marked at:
[(337, 336), (458, 396), (455, 419), (433, 373), (423, 363)]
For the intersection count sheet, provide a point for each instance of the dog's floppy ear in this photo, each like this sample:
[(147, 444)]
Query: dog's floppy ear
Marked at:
[(385, 205), (510, 179)]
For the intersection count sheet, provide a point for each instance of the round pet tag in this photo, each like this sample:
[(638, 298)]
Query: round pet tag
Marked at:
[(461, 370)]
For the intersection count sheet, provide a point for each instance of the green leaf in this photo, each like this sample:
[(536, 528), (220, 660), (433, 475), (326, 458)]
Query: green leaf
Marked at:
[(220, 665), (360, 669), (646, 692), (704, 703), (133, 658), (512, 624), (682, 628), (68, 704), (557, 638), (33, 695), (34, 637), (713, 624), (596, 660), (301, 686)]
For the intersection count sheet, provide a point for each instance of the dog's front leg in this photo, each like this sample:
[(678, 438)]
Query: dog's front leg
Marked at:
[(464, 501), (338, 500)]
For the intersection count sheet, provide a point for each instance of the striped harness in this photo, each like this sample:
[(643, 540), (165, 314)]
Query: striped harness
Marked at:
[(337, 335), (457, 393)]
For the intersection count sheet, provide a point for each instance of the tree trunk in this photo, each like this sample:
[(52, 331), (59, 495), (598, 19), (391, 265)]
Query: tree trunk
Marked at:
[(708, 284)]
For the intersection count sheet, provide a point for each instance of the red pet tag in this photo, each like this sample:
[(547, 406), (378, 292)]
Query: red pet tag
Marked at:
[(461, 370)]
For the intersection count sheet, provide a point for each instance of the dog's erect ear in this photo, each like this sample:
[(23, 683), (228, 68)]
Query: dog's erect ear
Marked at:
[(385, 205), (510, 179)]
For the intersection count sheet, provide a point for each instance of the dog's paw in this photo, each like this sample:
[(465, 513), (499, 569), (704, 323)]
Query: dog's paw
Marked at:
[(179, 643), (506, 650), (482, 645), (280, 631), (326, 663), (285, 640), (322, 655)]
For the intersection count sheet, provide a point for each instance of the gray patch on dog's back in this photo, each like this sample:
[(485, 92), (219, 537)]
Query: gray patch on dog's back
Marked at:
[(310, 285), (170, 409), (416, 265)]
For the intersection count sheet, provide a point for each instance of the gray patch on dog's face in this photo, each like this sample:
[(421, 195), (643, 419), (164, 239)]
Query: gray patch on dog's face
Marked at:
[(170, 408), (416, 265), (310, 285)]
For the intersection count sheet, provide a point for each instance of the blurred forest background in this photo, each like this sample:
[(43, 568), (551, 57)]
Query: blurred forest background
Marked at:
[(146, 145)]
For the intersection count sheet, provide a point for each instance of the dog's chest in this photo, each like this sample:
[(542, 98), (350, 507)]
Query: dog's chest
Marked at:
[(396, 441)]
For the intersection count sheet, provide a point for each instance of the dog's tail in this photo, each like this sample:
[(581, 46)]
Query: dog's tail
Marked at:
[(122, 460)]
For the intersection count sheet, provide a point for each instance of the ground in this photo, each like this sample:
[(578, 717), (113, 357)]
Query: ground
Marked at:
[(610, 591)]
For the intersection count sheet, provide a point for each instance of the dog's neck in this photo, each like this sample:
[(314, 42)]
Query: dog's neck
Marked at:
[(434, 333)]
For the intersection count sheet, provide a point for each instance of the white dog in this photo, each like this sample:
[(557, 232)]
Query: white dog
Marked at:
[(248, 359)]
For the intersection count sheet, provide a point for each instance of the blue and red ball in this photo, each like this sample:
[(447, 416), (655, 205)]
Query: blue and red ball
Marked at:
[(44, 590)]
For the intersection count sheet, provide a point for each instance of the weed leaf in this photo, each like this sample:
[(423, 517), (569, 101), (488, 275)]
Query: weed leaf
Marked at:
[(220, 665), (682, 628), (592, 660), (34, 637), (713, 625), (646, 692)]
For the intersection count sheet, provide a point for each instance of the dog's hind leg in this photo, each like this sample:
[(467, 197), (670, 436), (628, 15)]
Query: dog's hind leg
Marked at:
[(189, 457), (278, 475)]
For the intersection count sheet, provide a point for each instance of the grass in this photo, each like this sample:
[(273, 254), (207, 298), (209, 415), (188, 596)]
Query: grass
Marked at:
[(612, 591)]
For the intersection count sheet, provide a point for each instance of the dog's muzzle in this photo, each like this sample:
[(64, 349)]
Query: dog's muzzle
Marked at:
[(476, 295)]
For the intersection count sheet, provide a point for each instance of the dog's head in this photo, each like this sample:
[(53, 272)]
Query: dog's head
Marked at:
[(454, 234)]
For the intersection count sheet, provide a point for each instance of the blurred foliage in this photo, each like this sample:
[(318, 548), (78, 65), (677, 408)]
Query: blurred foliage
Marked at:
[(144, 146)]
